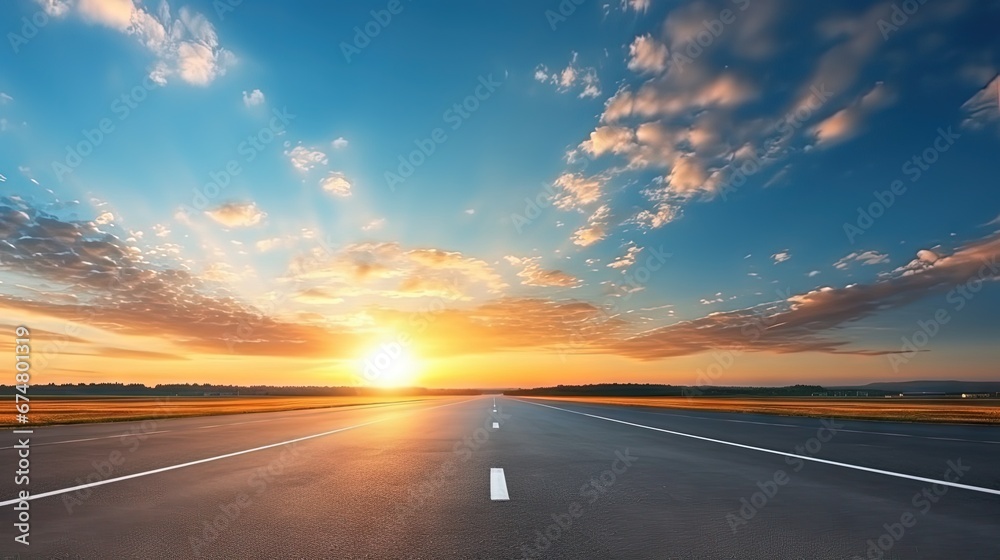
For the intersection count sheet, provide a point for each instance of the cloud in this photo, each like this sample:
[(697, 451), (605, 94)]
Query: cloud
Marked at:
[(386, 269), (925, 260), (55, 8), (984, 107), (532, 274), (636, 5), (613, 139), (339, 143), (660, 216), (317, 296), (596, 228), (577, 190), (336, 183), (570, 77), (115, 286), (668, 96), (237, 214), (254, 98), (803, 322), (689, 176), (781, 257), (186, 46), (374, 225), (694, 106), (265, 245), (848, 122), (116, 14), (305, 159), (647, 55), (626, 260), (118, 289), (591, 84), (865, 258), (716, 299), (220, 272), (507, 324)]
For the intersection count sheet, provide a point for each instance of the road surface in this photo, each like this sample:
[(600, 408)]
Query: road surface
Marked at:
[(535, 479)]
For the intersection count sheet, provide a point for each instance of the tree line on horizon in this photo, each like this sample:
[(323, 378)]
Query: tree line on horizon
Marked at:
[(658, 390), (209, 389)]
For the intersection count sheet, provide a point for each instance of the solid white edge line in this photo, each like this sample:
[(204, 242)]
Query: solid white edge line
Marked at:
[(498, 486), (986, 441), (123, 434), (783, 453), (205, 460)]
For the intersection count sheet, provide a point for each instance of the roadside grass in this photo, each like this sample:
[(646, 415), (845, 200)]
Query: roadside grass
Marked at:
[(954, 411), (48, 410)]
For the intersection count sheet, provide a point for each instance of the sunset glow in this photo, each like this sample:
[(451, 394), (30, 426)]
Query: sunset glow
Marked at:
[(575, 211)]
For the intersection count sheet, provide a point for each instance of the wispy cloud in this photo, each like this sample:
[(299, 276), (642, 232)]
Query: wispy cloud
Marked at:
[(237, 214), (253, 98), (532, 273)]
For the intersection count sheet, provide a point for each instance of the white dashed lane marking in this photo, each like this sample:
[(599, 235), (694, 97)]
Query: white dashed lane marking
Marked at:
[(498, 485)]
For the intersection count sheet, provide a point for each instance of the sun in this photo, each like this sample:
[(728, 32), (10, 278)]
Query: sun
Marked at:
[(390, 364)]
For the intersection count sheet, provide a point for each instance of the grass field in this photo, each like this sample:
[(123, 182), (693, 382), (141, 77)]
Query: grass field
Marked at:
[(76, 410), (964, 411)]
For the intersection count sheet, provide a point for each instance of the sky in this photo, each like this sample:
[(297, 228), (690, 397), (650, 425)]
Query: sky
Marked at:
[(503, 194)]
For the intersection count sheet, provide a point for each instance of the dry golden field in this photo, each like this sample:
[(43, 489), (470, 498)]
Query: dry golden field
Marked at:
[(955, 410), (75, 410)]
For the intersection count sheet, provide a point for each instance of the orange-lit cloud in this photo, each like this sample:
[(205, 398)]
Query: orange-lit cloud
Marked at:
[(119, 291)]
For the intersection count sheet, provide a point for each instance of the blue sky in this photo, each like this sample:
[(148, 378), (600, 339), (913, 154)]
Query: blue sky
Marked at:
[(700, 166)]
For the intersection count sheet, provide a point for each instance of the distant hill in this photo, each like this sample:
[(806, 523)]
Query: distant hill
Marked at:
[(951, 386)]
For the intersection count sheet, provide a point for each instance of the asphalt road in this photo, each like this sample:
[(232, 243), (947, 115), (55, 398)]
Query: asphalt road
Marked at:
[(423, 480)]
